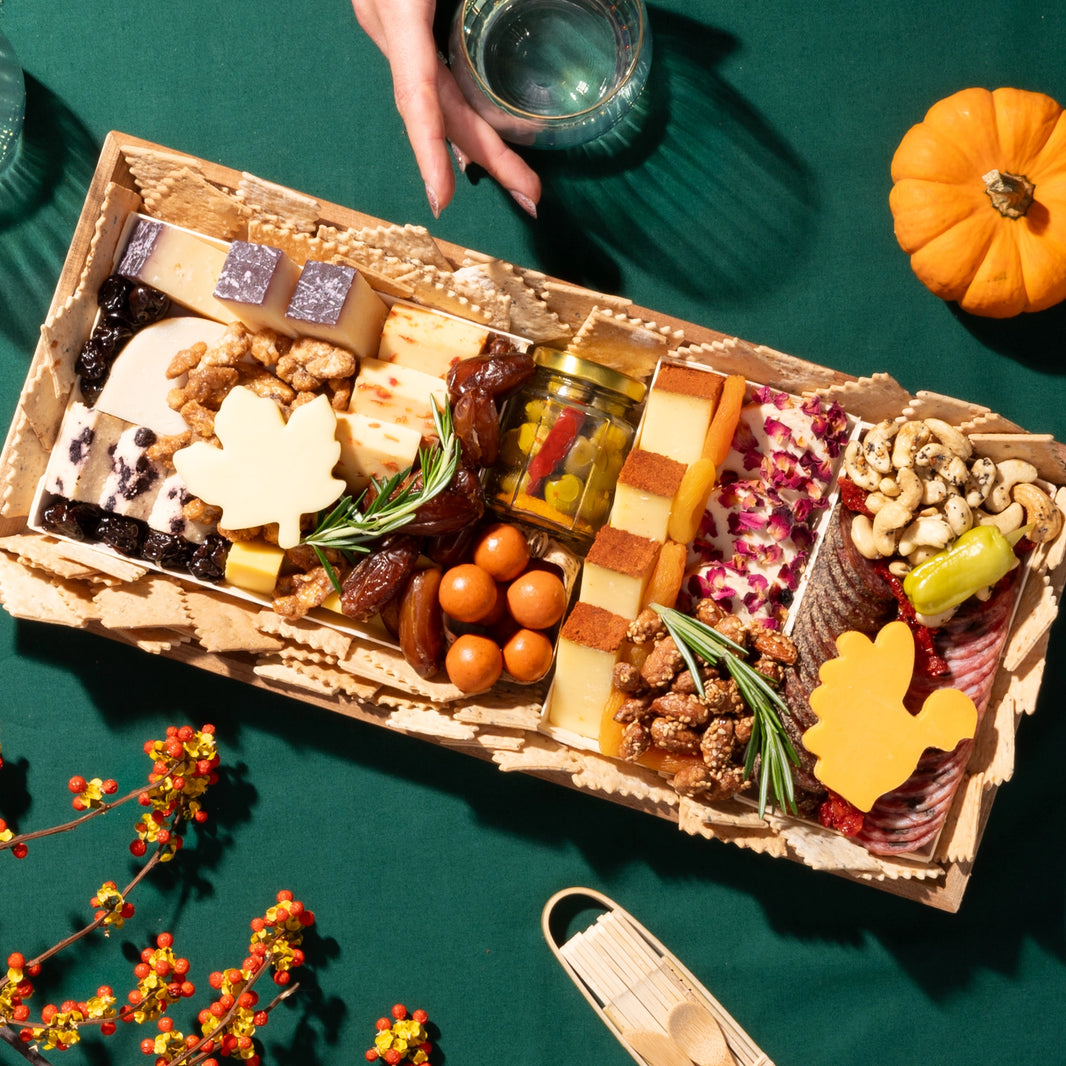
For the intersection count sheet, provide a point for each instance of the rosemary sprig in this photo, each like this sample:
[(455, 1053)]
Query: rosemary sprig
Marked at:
[(768, 738), (352, 529)]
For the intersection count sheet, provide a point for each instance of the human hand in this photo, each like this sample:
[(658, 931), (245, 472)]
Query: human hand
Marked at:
[(434, 109)]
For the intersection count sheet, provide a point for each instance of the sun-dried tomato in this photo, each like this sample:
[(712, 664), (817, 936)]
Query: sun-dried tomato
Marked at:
[(836, 813), (853, 497), (927, 660)]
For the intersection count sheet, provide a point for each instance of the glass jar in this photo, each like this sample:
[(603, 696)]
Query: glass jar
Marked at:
[(563, 440)]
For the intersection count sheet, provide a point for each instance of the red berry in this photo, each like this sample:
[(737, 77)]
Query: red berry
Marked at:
[(187, 988), (393, 1057), (16, 960), (186, 733), (181, 966), (282, 977), (260, 1018), (372, 1055), (148, 1046), (21, 1013), (77, 783), (20, 850), (127, 910), (208, 729), (107, 1028), (284, 896), (104, 991), (165, 940), (420, 1016), (135, 996), (141, 970), (248, 1000), (175, 748), (110, 786), (78, 803), (162, 968), (138, 848), (382, 1025), (166, 1023), (399, 1012)]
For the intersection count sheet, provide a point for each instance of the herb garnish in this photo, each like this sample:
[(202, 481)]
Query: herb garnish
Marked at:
[(348, 528), (768, 738)]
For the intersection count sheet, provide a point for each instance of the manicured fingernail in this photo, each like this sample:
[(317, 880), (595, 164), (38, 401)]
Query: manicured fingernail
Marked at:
[(524, 202), (460, 157), (434, 203)]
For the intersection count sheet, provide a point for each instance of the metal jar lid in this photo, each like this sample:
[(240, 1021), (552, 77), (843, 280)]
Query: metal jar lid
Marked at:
[(594, 373)]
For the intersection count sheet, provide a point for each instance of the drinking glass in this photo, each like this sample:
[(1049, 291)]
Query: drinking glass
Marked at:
[(12, 102), (551, 73)]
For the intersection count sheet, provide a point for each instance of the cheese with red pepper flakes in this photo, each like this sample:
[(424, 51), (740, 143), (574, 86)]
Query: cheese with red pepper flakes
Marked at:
[(428, 341)]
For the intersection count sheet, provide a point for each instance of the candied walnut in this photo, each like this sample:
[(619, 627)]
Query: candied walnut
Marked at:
[(209, 385), (716, 744), (162, 449), (200, 419), (674, 736), (635, 741), (185, 360), (722, 696), (664, 661), (709, 612), (267, 347), (309, 363), (626, 678), (195, 510), (308, 591), (340, 393), (301, 398), (230, 348), (646, 627), (251, 533), (263, 383), (688, 709), (633, 709), (776, 646), (733, 628)]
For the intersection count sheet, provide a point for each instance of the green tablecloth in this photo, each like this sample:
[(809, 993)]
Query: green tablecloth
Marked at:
[(757, 205)]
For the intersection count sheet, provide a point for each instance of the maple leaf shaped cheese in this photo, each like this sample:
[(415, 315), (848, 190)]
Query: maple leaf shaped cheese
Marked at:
[(865, 740), (267, 470)]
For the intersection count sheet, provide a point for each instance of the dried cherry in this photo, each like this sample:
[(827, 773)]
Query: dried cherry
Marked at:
[(167, 550), (71, 518), (147, 305), (379, 577), (208, 561), (477, 425), (113, 297), (122, 533)]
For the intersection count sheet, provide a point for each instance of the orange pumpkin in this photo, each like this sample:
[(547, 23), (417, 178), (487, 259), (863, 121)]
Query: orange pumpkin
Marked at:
[(979, 200)]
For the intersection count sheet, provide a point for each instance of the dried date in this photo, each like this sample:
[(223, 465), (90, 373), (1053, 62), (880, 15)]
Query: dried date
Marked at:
[(379, 577), (477, 425), (461, 503), (498, 375), (421, 623)]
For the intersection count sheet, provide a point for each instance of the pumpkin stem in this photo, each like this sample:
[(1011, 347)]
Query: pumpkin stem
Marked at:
[(1011, 194)]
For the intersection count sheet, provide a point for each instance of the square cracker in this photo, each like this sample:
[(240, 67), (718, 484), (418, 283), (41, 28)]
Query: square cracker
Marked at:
[(224, 624), (186, 198), (628, 345), (276, 201)]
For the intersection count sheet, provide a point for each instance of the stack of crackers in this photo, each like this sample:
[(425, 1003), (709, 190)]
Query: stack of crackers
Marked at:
[(64, 583)]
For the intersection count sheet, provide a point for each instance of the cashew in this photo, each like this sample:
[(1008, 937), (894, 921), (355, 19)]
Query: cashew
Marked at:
[(911, 489), (1040, 513), (877, 448), (911, 436), (959, 514), (925, 531), (886, 527), (862, 536), (858, 468), (1007, 521), (934, 489), (921, 554), (945, 462), (889, 486), (982, 477), (899, 567), (950, 437), (1009, 473), (875, 501)]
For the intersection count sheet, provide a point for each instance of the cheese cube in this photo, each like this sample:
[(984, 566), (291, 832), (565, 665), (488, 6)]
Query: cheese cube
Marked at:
[(254, 565), (616, 571), (371, 448), (176, 262), (678, 412), (333, 302), (137, 387), (588, 647), (644, 494), (256, 283), (427, 340), (393, 393)]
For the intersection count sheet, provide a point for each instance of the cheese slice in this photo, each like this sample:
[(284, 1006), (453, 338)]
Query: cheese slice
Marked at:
[(390, 392), (177, 262), (137, 387), (427, 340), (79, 462), (589, 644), (134, 480), (256, 282), (371, 448), (678, 412), (168, 512), (333, 302), (616, 571), (644, 494)]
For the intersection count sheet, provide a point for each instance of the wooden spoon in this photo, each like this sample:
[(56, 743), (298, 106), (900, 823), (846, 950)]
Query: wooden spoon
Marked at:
[(655, 1048), (696, 1031)]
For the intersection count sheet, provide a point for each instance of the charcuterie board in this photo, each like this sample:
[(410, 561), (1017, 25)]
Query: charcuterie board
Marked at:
[(356, 669)]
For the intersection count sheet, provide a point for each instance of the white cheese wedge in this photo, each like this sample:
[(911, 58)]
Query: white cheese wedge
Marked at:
[(256, 283), (333, 302), (176, 262), (393, 393), (79, 462), (427, 340), (371, 448), (137, 387), (587, 649)]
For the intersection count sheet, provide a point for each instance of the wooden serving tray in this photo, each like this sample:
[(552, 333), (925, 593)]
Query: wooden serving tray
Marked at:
[(69, 584)]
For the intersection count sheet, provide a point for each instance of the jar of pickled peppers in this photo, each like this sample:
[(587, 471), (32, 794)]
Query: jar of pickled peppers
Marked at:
[(563, 440)]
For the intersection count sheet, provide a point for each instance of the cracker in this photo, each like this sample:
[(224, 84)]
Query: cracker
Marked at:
[(381, 282), (77, 559), (321, 678), (506, 713), (40, 403), (947, 408), (37, 597), (624, 344), (571, 304), (527, 314), (1040, 449), (432, 288), (410, 242), (299, 247), (190, 200), (539, 754), (150, 166), (641, 789), (276, 201), (962, 827), (224, 625), (692, 819), (872, 399), (153, 602), (24, 460), (387, 666), (430, 722), (153, 641), (303, 631)]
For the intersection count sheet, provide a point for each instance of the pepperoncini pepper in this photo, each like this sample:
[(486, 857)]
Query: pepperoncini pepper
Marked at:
[(977, 559)]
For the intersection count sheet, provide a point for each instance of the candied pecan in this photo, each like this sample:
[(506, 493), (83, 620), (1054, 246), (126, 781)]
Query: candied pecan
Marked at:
[(674, 736), (308, 591), (742, 729), (251, 533), (664, 661), (688, 709), (646, 627), (722, 696), (733, 628), (708, 611), (186, 360), (635, 741), (633, 709), (195, 510), (716, 744), (626, 678), (776, 646)]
